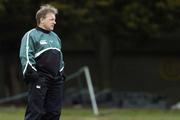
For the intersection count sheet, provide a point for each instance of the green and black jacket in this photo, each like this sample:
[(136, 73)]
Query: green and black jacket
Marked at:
[(41, 51)]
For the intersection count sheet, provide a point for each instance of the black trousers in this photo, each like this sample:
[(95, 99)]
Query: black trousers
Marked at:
[(44, 99)]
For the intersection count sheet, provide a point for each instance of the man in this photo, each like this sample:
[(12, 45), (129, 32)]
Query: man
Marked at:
[(42, 64)]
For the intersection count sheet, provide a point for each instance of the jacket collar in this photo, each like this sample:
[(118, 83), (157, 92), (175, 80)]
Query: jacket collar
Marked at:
[(42, 30)]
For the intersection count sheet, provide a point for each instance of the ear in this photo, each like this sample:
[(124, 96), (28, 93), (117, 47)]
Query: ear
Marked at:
[(41, 20)]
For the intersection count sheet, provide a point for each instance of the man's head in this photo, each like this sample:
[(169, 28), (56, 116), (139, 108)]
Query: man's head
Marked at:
[(46, 17)]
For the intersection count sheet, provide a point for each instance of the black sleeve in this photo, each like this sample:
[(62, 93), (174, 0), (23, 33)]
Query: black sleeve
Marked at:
[(31, 75)]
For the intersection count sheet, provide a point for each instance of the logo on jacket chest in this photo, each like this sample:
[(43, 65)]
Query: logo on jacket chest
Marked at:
[(43, 42)]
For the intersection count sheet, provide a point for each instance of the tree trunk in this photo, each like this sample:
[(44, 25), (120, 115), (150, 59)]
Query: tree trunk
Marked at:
[(2, 80), (105, 60), (14, 83)]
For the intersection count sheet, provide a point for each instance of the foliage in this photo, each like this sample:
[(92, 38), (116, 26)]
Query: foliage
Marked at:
[(149, 18), (2, 9), (93, 19), (113, 18)]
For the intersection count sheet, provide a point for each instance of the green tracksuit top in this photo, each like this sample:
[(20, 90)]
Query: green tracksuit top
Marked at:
[(40, 50)]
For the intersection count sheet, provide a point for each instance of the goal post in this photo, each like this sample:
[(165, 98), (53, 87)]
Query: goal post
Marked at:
[(86, 72), (91, 90)]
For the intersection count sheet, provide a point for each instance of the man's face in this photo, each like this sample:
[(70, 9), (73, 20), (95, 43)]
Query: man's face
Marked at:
[(48, 22)]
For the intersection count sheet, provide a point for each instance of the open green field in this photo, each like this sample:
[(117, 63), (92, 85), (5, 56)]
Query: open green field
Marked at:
[(13, 113)]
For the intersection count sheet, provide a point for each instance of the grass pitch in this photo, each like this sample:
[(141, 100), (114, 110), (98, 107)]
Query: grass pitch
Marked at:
[(13, 113)]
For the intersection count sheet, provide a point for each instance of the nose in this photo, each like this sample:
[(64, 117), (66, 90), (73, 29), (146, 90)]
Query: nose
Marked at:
[(54, 22)]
